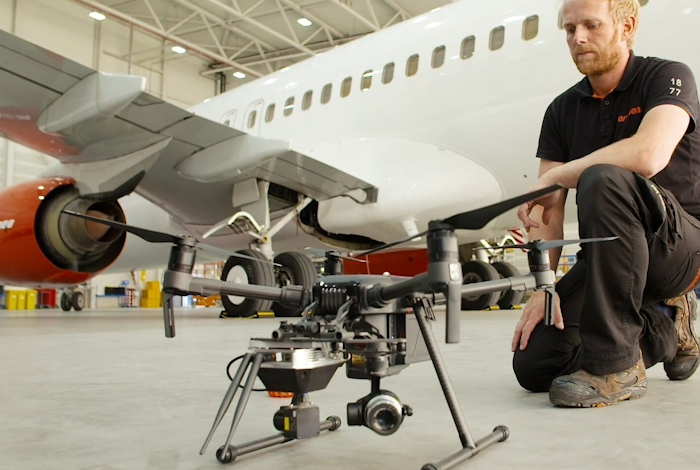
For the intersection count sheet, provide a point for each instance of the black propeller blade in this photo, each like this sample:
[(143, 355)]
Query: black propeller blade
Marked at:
[(543, 245), (475, 219), (160, 237), (148, 235)]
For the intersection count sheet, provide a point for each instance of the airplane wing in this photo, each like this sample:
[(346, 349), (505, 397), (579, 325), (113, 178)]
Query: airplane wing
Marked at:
[(111, 135)]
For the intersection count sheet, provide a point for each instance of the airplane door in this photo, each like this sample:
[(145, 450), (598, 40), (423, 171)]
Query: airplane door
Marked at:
[(253, 117)]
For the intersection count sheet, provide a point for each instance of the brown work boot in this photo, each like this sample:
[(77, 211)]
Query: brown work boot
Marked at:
[(686, 361), (584, 390)]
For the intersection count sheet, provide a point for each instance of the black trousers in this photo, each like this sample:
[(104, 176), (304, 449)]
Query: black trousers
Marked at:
[(608, 297)]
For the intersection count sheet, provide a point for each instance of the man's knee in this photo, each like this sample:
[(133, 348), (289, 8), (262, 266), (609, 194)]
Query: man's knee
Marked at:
[(597, 178), (528, 372)]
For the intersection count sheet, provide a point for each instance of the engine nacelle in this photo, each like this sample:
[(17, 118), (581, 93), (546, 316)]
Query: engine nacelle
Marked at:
[(40, 246)]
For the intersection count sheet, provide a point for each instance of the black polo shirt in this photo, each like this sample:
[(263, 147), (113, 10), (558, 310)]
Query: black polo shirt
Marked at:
[(577, 124)]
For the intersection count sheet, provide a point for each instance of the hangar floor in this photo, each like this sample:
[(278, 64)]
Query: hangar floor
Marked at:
[(105, 390)]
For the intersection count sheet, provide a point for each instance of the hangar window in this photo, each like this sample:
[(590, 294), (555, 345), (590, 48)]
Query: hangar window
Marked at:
[(346, 86), (252, 117), (289, 107), (366, 83), (308, 97), (468, 46), (326, 93), (438, 57), (531, 27), (270, 114), (498, 38), (388, 74), (412, 65)]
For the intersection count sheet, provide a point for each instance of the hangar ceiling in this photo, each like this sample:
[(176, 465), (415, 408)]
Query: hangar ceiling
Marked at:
[(253, 37)]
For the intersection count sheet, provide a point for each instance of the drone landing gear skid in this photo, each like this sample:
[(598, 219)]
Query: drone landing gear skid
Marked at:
[(300, 420), (297, 421), (423, 311)]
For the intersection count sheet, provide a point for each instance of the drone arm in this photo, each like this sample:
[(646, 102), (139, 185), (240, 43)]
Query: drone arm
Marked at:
[(380, 295)]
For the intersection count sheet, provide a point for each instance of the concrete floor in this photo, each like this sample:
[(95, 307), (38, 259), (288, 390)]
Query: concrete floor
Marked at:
[(106, 390)]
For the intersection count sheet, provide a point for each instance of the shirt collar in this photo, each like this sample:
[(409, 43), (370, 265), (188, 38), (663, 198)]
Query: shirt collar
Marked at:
[(584, 88)]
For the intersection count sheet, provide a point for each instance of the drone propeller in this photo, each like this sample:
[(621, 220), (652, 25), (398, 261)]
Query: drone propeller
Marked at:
[(476, 219), (543, 245), (159, 237), (318, 253)]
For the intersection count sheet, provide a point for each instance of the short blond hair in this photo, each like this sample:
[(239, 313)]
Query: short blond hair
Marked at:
[(620, 10)]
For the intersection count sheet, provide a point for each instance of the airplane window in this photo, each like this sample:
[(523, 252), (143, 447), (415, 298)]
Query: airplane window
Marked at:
[(498, 38), (346, 86), (326, 93), (468, 46), (388, 74), (306, 103), (251, 119), (289, 107), (438, 57), (531, 27), (366, 83), (270, 114), (412, 65)]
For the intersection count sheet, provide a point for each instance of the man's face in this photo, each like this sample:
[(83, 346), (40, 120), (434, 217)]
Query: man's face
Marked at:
[(595, 42)]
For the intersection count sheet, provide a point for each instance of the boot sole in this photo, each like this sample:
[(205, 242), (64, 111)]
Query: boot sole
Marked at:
[(559, 397)]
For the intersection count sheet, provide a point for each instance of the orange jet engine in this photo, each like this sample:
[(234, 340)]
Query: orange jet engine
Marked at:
[(40, 246)]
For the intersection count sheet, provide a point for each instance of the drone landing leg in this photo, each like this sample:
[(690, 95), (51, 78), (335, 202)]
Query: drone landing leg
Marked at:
[(469, 448)]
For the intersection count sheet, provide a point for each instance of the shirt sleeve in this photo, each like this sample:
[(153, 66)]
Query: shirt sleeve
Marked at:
[(674, 83), (551, 145)]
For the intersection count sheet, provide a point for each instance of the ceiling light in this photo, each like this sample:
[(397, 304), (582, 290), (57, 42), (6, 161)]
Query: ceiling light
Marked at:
[(240, 75), (304, 22), (96, 15), (179, 49)]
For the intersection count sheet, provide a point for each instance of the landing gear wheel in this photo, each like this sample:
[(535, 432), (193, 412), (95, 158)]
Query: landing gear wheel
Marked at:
[(78, 301), (508, 297), (246, 271), (297, 269), (478, 271), (66, 304)]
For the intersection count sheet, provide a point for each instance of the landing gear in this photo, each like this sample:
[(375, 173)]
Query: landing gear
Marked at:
[(478, 271), (509, 298), (66, 303), (245, 271), (72, 299), (78, 301), (296, 269)]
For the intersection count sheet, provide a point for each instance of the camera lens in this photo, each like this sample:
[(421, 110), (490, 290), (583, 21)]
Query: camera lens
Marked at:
[(383, 414)]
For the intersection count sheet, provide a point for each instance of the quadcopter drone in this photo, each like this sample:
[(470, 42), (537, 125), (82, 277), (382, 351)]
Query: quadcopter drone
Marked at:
[(375, 326)]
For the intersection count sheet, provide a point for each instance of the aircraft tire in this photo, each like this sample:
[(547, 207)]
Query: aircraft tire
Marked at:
[(508, 297), (478, 271), (78, 301), (66, 304), (297, 269), (247, 272)]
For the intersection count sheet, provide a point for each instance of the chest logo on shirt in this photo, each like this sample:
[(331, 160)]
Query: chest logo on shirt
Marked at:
[(634, 111)]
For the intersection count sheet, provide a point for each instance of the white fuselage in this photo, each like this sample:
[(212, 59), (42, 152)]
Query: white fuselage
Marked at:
[(447, 139)]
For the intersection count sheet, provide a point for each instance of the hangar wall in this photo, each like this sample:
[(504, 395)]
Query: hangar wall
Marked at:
[(65, 28)]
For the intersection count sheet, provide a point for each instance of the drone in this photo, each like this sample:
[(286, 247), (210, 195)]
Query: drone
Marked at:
[(375, 326)]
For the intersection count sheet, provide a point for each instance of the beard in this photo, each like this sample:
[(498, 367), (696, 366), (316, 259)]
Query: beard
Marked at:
[(601, 61)]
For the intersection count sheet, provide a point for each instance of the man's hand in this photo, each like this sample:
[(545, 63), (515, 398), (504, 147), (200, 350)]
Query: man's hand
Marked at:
[(534, 314), (548, 202)]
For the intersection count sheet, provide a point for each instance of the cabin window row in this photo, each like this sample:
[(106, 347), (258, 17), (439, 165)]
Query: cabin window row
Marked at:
[(468, 47)]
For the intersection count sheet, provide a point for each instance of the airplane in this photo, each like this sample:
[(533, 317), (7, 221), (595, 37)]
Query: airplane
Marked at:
[(359, 145)]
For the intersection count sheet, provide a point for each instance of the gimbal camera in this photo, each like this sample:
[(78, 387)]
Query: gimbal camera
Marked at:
[(374, 325)]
